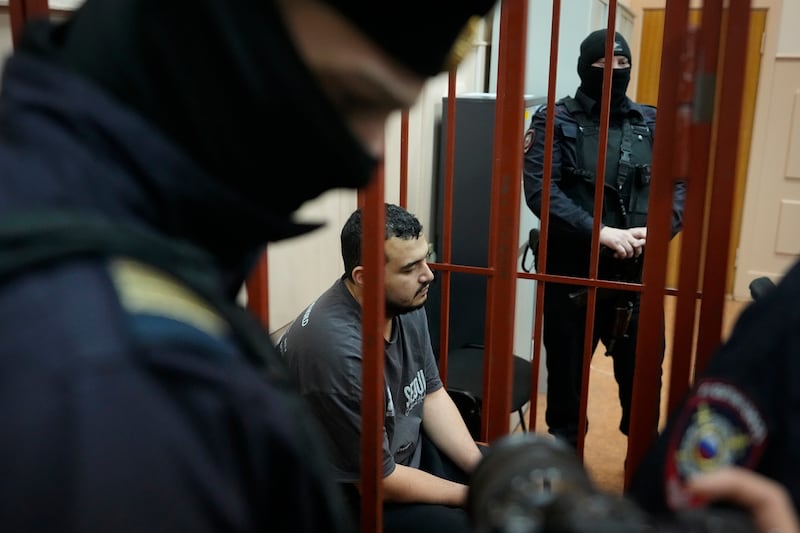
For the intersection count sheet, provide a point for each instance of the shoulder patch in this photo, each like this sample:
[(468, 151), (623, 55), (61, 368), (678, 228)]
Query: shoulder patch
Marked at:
[(145, 289), (527, 141), (718, 426)]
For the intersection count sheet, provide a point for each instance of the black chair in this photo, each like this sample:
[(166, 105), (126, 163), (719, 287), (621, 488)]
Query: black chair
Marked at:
[(760, 286), (465, 384)]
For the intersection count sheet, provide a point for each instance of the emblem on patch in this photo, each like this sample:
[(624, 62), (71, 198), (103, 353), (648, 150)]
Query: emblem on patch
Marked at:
[(719, 426), (527, 141)]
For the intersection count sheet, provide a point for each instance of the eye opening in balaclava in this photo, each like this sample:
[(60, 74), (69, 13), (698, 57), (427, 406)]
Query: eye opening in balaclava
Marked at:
[(593, 48)]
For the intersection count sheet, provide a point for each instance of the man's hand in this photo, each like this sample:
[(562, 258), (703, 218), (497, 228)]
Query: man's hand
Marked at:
[(625, 243), (767, 501), (412, 485)]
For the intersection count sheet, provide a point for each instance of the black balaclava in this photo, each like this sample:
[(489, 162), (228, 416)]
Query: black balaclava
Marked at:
[(594, 48), (222, 79)]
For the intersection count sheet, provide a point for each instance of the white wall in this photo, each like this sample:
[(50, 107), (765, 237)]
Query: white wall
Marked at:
[(301, 268), (788, 36)]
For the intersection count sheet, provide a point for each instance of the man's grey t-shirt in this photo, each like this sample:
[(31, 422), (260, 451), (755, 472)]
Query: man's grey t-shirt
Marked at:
[(322, 348)]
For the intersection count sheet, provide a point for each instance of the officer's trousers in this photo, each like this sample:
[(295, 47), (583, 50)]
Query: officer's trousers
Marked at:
[(563, 336)]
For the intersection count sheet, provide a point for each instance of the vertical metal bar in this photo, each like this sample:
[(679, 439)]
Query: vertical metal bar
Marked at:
[(258, 290), (404, 159), (16, 13), (544, 222), (646, 392), (724, 182), (373, 315), (504, 220), (36, 8), (447, 224), (21, 11), (697, 147), (600, 180)]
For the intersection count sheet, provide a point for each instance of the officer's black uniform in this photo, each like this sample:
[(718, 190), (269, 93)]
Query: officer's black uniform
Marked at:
[(625, 200)]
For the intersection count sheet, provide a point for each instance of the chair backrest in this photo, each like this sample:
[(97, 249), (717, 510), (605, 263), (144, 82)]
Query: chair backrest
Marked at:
[(465, 383), (469, 406)]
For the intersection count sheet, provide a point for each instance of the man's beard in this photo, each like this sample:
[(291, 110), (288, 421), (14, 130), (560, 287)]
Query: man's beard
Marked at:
[(395, 308)]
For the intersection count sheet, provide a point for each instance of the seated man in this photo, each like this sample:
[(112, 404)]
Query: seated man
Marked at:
[(428, 452)]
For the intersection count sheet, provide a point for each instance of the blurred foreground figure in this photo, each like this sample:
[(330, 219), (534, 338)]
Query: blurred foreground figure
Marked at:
[(531, 483), (137, 191)]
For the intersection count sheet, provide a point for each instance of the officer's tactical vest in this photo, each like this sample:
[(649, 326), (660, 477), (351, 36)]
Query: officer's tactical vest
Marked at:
[(627, 177)]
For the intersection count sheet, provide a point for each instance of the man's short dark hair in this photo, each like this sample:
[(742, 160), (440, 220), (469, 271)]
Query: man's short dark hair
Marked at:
[(399, 223)]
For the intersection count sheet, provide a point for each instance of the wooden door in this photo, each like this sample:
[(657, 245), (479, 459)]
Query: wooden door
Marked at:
[(649, 66)]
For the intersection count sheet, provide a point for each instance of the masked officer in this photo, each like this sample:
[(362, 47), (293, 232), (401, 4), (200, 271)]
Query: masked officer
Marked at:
[(623, 232)]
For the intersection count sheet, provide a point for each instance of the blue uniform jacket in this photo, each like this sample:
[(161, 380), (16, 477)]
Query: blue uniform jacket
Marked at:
[(115, 419)]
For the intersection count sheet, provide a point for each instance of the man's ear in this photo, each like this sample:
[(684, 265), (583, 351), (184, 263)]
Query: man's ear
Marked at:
[(358, 275)]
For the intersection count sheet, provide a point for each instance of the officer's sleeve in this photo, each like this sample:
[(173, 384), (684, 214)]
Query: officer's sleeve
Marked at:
[(563, 210)]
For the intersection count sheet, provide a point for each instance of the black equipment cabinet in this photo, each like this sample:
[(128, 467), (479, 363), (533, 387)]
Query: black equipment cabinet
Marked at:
[(472, 188)]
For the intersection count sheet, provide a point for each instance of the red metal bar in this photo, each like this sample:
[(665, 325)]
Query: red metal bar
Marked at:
[(646, 392), (724, 182), (698, 147), (600, 284), (600, 180), (504, 220), (447, 225), (21, 11), (544, 221), (372, 323), (464, 269), (404, 159), (258, 290), (16, 14)]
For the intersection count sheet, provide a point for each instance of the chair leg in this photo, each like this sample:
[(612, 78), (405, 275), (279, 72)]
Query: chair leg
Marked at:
[(522, 420)]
